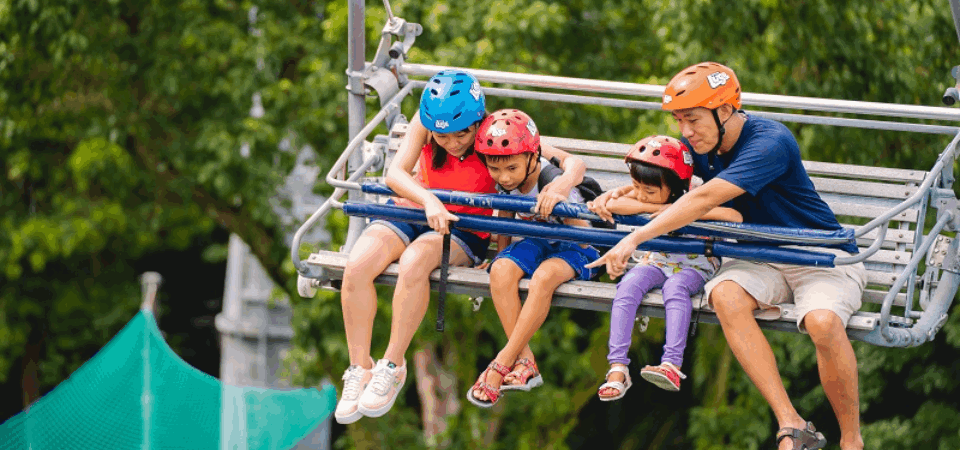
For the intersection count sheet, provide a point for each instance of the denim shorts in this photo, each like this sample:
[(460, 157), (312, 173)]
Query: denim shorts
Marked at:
[(529, 253), (474, 246)]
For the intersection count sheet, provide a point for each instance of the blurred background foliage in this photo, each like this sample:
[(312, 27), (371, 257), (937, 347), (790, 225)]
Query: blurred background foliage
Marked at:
[(121, 124)]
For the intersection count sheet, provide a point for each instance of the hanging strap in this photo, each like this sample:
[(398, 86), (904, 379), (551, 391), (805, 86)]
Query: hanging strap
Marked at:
[(693, 326), (444, 270)]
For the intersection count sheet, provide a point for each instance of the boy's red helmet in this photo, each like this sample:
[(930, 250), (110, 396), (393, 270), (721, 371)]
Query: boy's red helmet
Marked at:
[(663, 151), (706, 85), (507, 132)]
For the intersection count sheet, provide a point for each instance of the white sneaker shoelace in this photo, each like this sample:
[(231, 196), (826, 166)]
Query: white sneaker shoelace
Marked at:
[(352, 379), (383, 377)]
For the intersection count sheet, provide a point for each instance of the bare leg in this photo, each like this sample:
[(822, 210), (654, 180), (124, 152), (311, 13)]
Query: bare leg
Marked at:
[(505, 278), (412, 294), (838, 373), (734, 307), (551, 274), (373, 252)]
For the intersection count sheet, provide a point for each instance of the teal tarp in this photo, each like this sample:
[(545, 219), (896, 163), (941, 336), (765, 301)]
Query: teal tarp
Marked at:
[(136, 393)]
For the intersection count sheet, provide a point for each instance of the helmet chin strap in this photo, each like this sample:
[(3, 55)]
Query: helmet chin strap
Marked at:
[(528, 172), (722, 130)]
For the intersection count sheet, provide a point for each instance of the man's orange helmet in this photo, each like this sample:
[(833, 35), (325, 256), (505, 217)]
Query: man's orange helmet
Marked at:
[(707, 85)]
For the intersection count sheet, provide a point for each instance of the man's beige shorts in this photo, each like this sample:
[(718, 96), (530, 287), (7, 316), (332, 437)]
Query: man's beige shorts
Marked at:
[(838, 289)]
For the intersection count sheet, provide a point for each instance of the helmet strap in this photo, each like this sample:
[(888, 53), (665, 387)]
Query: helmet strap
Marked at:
[(720, 127), (528, 171)]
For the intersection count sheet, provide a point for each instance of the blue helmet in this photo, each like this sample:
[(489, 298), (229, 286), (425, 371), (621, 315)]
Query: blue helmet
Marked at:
[(452, 101)]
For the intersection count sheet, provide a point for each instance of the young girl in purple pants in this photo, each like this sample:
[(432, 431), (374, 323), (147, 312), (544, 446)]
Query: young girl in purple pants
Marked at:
[(661, 168)]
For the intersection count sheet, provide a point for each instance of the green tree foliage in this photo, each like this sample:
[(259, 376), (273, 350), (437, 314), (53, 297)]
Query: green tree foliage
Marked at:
[(121, 126), (121, 123)]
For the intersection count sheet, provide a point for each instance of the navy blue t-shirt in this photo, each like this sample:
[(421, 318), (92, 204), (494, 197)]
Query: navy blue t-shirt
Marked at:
[(765, 162)]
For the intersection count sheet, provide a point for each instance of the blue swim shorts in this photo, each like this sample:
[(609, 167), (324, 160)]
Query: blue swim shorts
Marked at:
[(529, 253)]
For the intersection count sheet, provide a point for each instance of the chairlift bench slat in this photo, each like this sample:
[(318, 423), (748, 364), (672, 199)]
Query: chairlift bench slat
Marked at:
[(592, 295)]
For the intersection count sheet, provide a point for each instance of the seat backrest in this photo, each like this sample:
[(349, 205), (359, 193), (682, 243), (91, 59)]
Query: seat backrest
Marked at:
[(856, 194)]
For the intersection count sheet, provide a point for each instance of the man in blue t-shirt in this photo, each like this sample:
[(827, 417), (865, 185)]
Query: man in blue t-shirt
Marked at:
[(753, 165)]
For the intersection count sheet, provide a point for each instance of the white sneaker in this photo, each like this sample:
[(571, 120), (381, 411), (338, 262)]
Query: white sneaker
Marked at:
[(383, 388), (355, 380)]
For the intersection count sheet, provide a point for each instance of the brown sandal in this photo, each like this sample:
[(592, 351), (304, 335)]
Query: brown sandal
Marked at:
[(529, 377), (806, 439), (493, 394)]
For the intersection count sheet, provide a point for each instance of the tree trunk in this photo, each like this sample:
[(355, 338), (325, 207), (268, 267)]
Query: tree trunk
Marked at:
[(30, 379), (439, 399)]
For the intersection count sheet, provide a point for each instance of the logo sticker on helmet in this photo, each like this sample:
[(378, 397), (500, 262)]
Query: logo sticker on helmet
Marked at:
[(654, 145), (667, 99), (497, 132), (717, 79), (532, 127), (441, 124), (475, 91)]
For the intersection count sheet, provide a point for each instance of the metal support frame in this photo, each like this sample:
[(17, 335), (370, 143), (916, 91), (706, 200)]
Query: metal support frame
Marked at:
[(650, 90), (356, 103), (388, 72)]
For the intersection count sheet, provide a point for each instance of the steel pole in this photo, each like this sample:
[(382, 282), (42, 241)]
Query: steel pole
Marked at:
[(356, 106), (955, 9)]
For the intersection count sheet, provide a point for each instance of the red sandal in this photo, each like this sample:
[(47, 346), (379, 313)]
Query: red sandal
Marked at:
[(529, 377), (493, 394)]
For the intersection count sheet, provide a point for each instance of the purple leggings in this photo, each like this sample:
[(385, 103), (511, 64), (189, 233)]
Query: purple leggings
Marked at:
[(677, 291)]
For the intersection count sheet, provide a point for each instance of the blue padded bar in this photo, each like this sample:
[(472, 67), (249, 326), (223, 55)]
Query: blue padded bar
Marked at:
[(739, 231), (596, 236)]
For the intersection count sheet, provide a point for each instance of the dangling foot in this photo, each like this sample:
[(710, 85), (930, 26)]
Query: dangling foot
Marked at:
[(355, 380), (806, 439), (523, 377), (381, 392), (666, 376), (617, 383), (486, 391)]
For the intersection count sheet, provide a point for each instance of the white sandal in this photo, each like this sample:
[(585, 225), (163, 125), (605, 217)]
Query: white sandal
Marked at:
[(621, 386)]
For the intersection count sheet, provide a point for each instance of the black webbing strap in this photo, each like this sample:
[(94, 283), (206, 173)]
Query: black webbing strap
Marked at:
[(693, 326), (444, 270), (708, 247)]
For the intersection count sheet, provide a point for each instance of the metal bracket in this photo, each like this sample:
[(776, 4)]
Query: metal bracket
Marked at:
[(409, 32), (938, 251), (389, 53), (355, 82), (933, 331), (925, 286), (376, 151), (952, 94), (942, 256), (642, 323)]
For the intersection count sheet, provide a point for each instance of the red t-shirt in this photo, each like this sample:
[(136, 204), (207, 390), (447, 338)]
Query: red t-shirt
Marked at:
[(468, 175)]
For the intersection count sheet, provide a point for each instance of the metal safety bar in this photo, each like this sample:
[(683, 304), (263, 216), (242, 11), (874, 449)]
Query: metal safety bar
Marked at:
[(651, 90)]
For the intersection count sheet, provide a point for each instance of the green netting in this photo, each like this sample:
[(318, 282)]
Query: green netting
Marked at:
[(136, 393)]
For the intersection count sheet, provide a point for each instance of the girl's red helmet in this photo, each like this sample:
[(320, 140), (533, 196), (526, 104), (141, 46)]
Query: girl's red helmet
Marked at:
[(663, 151), (507, 132)]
